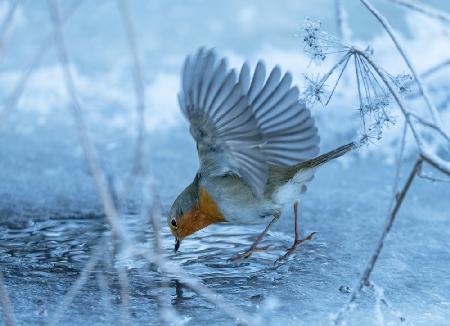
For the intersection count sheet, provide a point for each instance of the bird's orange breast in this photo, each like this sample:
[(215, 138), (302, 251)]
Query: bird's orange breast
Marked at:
[(205, 213)]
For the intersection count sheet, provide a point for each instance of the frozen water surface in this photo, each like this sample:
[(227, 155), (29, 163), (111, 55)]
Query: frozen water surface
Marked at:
[(51, 220)]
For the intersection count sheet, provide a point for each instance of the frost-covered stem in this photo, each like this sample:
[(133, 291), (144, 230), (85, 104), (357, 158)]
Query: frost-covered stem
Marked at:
[(100, 180), (436, 162), (433, 178), (435, 68), (139, 90), (7, 21), (428, 73), (5, 303), (331, 71), (433, 160), (423, 9), (76, 287), (399, 164), (339, 18), (364, 279), (166, 309), (13, 98), (429, 125), (387, 26)]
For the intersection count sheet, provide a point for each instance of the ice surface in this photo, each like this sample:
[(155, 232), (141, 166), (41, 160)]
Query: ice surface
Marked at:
[(50, 217)]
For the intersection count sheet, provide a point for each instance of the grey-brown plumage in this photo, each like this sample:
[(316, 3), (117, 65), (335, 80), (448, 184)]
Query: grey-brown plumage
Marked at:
[(279, 175), (255, 139)]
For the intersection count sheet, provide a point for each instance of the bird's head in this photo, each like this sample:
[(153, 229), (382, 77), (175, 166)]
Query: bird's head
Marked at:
[(193, 210)]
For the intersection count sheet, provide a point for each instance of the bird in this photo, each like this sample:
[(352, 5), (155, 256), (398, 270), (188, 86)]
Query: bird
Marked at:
[(257, 145)]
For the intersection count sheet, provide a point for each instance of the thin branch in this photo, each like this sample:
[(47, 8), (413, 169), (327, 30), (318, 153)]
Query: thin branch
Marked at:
[(436, 162), (432, 178), (10, 103), (427, 74), (364, 279), (430, 158), (435, 68), (5, 302), (341, 22), (140, 93), (7, 22), (387, 26), (428, 124), (101, 183), (100, 180), (338, 79), (423, 9)]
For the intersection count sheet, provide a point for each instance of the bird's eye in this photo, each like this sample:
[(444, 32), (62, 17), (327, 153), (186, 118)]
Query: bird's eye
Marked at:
[(174, 223)]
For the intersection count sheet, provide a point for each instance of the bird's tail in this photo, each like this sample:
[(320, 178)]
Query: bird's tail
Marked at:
[(313, 163), (331, 155)]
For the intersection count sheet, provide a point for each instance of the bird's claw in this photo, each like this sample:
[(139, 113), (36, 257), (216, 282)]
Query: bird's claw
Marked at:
[(246, 254), (292, 249)]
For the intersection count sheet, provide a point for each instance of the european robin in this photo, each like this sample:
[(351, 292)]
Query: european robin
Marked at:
[(256, 141)]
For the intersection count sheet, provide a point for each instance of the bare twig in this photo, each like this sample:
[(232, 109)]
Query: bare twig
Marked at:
[(428, 124), (100, 180), (12, 99), (6, 24), (5, 302), (341, 23), (364, 279), (427, 74), (140, 94), (432, 178), (387, 26), (423, 9), (381, 297), (436, 162), (101, 183), (436, 68)]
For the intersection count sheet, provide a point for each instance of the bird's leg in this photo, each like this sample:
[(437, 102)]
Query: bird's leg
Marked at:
[(297, 239), (254, 247)]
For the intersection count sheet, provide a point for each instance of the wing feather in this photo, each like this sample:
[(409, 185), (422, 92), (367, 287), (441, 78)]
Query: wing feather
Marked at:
[(221, 121), (285, 122), (244, 122)]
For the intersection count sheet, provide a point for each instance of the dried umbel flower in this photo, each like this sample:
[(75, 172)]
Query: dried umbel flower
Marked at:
[(317, 43), (374, 96), (403, 83), (315, 89)]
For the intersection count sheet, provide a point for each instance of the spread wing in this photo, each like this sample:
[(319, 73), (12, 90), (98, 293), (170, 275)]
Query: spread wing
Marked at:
[(283, 119), (222, 123), (244, 123)]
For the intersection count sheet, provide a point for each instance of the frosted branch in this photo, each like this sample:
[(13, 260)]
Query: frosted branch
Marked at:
[(6, 24), (12, 99), (387, 26), (364, 279), (140, 94), (423, 9)]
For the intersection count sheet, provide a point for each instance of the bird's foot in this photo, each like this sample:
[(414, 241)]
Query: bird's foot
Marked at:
[(293, 248), (246, 254)]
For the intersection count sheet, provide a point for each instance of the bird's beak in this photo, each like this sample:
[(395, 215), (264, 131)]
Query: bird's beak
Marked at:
[(177, 244)]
